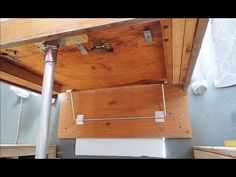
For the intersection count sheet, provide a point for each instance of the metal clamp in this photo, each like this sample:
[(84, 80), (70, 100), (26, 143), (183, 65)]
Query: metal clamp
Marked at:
[(80, 119)]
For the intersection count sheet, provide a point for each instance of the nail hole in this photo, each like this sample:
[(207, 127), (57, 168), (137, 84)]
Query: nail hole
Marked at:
[(165, 26), (108, 124)]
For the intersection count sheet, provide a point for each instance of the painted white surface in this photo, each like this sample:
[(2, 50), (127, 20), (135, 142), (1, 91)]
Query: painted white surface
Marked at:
[(5, 19), (135, 147)]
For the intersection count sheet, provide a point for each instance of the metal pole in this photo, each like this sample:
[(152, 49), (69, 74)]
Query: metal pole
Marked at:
[(45, 110)]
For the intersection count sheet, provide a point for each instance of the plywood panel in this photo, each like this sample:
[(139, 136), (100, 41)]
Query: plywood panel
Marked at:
[(122, 102), (178, 26), (189, 32), (132, 62)]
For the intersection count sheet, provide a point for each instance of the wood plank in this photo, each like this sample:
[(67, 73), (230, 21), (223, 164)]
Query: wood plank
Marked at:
[(166, 26), (123, 102), (197, 43), (24, 31), (12, 150), (209, 155), (230, 143), (178, 26), (20, 77), (189, 32), (214, 152), (133, 61)]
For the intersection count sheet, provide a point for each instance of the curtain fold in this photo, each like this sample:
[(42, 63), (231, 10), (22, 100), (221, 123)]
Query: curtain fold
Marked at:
[(217, 57)]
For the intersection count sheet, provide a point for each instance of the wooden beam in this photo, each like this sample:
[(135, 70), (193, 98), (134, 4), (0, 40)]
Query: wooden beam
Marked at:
[(189, 32), (20, 77), (12, 150), (197, 43), (214, 152), (178, 26), (166, 27), (24, 31)]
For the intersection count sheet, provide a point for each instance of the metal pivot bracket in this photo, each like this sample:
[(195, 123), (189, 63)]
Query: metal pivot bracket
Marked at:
[(80, 119)]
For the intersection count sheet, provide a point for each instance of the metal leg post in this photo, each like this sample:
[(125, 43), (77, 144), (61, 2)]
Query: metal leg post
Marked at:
[(45, 110)]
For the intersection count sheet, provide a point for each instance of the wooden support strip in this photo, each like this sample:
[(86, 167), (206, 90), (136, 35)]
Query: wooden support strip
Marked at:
[(189, 32), (20, 77), (178, 26), (12, 150), (197, 43), (215, 152), (24, 31), (167, 47)]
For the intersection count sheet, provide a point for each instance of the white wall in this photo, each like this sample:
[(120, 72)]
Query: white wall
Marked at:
[(135, 147)]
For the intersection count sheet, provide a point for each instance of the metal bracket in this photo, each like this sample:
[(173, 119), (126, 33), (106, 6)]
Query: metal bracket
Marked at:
[(80, 119), (82, 49), (148, 36), (159, 116)]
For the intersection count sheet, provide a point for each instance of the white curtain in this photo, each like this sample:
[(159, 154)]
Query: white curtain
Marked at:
[(217, 57)]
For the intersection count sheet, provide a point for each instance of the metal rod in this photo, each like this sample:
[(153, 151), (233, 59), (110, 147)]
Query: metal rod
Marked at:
[(19, 120), (72, 105), (163, 98), (45, 110), (117, 118), (131, 118)]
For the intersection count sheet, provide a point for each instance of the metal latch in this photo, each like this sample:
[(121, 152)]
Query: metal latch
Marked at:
[(148, 36), (102, 45)]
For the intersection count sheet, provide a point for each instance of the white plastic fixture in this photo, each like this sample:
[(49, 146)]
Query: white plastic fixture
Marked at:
[(20, 92)]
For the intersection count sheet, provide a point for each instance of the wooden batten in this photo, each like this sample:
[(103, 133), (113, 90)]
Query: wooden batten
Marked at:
[(214, 152), (189, 32), (178, 27), (166, 26), (23, 78), (197, 43)]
